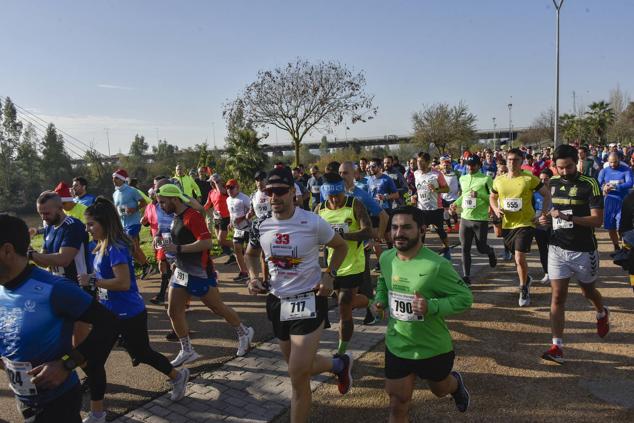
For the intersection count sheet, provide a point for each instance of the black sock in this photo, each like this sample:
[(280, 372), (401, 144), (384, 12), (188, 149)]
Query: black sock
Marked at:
[(165, 279)]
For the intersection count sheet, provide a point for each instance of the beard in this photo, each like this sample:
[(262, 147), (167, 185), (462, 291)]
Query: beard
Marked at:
[(410, 243)]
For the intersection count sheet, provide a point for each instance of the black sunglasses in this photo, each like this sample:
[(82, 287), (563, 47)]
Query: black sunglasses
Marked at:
[(278, 191)]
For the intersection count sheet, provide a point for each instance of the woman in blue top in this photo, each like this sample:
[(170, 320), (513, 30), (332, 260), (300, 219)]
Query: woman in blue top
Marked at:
[(117, 290)]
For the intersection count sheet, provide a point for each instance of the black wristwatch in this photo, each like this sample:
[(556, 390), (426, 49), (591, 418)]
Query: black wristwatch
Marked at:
[(333, 273), (69, 363)]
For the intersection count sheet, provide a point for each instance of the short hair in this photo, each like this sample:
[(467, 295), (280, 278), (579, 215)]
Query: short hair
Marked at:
[(529, 157), (81, 180), (376, 160), (333, 167), (515, 151), (296, 169), (332, 177), (14, 231), (415, 212), (47, 196), (547, 172), (584, 148), (389, 157), (566, 151), (158, 178), (363, 158), (500, 161), (424, 156)]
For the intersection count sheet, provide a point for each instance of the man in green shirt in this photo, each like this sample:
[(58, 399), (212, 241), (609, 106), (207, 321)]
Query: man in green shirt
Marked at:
[(419, 289), (474, 218)]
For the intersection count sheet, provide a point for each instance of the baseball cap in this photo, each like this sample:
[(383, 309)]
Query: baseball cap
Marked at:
[(281, 175), (473, 160), (171, 190), (259, 175), (231, 183)]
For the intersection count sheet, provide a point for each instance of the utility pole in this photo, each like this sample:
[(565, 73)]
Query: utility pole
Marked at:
[(213, 130), (495, 138), (108, 138), (510, 106), (574, 103), (558, 4)]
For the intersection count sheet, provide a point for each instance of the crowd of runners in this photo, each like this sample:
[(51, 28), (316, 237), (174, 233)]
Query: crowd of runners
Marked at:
[(301, 237)]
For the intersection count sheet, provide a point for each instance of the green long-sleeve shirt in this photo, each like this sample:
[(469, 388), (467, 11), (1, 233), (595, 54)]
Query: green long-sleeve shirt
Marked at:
[(433, 278), (477, 187)]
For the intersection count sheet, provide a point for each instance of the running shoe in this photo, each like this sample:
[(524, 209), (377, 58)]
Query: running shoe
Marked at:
[(146, 269), (377, 268), (157, 300), (555, 354), (545, 280), (508, 256), (461, 396), (185, 357), (603, 324), (231, 259), (242, 276), (467, 280), (345, 376), (369, 319), (244, 342), (525, 295), (493, 260), (179, 385), (91, 418)]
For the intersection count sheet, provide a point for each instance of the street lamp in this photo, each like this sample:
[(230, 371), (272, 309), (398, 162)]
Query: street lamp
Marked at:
[(495, 138), (510, 105), (558, 4)]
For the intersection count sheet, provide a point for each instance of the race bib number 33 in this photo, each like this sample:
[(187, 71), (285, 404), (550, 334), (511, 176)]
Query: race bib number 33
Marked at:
[(298, 307), (401, 307)]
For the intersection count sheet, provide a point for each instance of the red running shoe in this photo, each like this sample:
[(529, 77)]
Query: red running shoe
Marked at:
[(344, 379), (603, 324), (554, 354)]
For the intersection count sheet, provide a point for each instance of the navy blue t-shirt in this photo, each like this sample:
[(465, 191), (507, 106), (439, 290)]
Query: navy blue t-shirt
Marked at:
[(70, 233), (38, 312), (124, 304), (382, 185)]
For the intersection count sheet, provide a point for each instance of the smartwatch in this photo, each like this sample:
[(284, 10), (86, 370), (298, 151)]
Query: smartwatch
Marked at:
[(69, 363), (333, 273)]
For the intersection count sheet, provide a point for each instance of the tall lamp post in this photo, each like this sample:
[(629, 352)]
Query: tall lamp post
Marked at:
[(558, 4), (510, 105), (495, 138)]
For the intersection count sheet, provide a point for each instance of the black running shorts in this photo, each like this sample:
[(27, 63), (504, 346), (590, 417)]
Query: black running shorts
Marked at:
[(519, 239), (435, 368), (349, 281), (284, 330)]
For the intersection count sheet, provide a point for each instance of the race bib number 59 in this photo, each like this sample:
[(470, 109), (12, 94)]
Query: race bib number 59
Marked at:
[(401, 307)]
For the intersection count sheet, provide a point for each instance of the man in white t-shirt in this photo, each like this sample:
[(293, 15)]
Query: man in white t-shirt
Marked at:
[(260, 210), (239, 205), (452, 178), (429, 184), (297, 301)]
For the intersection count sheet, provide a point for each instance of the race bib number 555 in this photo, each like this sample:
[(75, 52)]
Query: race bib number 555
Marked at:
[(512, 204)]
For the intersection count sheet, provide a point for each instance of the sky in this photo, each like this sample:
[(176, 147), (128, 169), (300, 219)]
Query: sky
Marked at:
[(103, 71)]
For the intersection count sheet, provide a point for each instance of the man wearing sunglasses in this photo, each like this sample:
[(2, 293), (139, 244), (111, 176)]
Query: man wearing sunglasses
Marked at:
[(297, 301), (239, 205)]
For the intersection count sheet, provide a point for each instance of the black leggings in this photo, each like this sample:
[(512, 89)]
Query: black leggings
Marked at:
[(541, 237), (136, 341), (468, 230)]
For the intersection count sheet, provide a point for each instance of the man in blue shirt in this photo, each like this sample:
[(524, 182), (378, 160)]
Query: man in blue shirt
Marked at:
[(128, 202), (381, 186), (615, 181), (38, 311), (79, 188)]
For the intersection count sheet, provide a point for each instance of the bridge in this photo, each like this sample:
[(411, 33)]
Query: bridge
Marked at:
[(357, 143)]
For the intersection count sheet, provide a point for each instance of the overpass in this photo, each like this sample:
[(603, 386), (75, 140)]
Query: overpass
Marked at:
[(386, 140)]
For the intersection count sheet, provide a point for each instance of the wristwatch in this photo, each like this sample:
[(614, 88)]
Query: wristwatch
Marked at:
[(69, 363), (333, 273)]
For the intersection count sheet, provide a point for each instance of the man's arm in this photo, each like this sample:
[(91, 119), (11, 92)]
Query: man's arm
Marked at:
[(340, 249), (384, 219), (443, 187), (63, 258), (545, 192), (361, 214), (252, 259)]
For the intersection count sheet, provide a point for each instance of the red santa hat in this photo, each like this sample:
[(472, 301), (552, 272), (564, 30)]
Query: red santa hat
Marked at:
[(64, 192), (120, 174)]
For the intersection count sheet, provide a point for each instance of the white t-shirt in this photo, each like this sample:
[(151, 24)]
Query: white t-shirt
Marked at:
[(291, 249), (239, 206), (298, 193), (260, 203), (454, 187), (428, 199)]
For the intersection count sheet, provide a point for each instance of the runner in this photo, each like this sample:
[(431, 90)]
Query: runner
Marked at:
[(313, 185), (474, 216), (239, 205), (511, 200), (397, 177), (615, 181), (202, 180), (38, 312), (129, 201), (542, 232), (452, 178), (350, 219), (419, 289), (118, 292), (260, 210), (577, 210), (79, 190), (305, 194), (429, 183), (298, 299), (193, 274), (187, 183), (71, 208), (217, 199), (383, 190)]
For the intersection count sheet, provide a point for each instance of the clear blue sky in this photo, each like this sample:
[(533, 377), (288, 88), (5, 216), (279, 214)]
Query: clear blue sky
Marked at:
[(148, 66)]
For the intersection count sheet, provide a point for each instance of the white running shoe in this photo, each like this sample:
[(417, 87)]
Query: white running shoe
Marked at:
[(525, 294), (179, 385), (92, 419), (185, 357), (545, 280), (244, 342)]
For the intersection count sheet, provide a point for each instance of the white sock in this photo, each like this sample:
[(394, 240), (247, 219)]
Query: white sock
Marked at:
[(186, 344), (559, 342), (601, 314)]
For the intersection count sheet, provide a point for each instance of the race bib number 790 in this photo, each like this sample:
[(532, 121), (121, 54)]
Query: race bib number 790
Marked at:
[(401, 307)]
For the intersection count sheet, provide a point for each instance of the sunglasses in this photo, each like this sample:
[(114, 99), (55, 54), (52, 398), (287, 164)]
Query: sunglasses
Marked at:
[(278, 191), (230, 186)]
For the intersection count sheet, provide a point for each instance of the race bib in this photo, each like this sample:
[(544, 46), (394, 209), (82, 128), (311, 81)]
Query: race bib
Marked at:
[(401, 307), (559, 223), (314, 189), (216, 215), (123, 211), (19, 380), (615, 182), (491, 174), (238, 233), (298, 307), (468, 203), (180, 277), (103, 294), (512, 204), (341, 228)]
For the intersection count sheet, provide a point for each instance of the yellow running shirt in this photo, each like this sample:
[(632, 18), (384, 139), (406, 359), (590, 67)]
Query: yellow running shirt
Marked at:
[(515, 198)]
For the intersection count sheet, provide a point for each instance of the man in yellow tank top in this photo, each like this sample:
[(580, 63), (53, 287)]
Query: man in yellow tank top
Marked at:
[(350, 219)]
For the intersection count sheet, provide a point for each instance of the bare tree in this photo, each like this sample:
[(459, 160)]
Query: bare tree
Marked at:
[(302, 96), (619, 100)]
